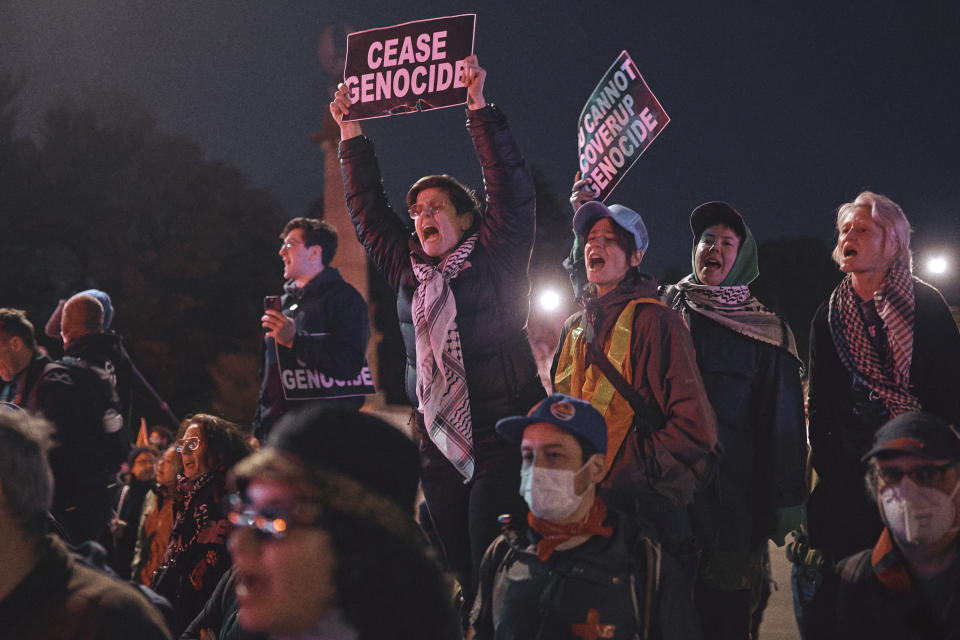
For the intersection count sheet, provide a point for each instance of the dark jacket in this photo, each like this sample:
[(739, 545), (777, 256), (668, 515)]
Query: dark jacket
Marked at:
[(197, 555), (105, 351), (91, 443), (221, 614), (665, 374), (755, 390), (62, 598), (333, 328), (492, 293), (872, 596), (595, 584), (843, 419)]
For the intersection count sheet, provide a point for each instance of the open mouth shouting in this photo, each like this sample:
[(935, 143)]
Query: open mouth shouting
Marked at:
[(429, 232)]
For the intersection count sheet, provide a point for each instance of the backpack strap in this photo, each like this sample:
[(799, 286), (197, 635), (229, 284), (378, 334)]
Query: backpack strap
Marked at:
[(650, 417)]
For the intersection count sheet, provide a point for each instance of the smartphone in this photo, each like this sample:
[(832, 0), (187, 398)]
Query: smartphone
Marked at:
[(272, 302)]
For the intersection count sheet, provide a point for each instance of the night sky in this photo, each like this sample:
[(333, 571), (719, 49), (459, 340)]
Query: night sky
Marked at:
[(785, 110)]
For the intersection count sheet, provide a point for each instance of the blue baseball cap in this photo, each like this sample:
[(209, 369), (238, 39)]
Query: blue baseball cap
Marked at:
[(566, 412), (628, 219)]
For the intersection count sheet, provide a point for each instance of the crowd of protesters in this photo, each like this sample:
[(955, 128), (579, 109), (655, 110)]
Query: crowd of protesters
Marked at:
[(636, 501)]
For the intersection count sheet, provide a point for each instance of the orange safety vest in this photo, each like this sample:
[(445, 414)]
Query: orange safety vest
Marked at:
[(589, 383)]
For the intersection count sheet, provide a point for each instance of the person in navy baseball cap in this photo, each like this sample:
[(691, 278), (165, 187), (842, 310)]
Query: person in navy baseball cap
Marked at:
[(566, 412)]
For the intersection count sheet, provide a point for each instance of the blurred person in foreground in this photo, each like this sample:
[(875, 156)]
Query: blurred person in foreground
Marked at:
[(324, 543), (578, 570), (45, 591), (908, 585)]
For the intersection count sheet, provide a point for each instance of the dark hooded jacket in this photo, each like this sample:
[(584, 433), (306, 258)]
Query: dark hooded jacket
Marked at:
[(491, 291), (754, 387), (105, 351)]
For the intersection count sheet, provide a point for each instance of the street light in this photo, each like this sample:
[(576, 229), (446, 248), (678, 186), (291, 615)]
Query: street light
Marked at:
[(937, 265), (549, 300)]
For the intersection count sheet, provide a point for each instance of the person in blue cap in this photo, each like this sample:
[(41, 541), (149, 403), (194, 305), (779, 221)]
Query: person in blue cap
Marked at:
[(578, 569), (632, 358)]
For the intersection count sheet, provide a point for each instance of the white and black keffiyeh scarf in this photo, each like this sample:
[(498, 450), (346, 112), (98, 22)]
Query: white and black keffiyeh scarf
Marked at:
[(887, 375), (737, 309), (441, 376)]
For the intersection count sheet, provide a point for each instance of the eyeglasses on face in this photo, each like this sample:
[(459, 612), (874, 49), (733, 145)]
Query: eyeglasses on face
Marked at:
[(290, 244), (418, 209), (925, 476), (270, 523), (188, 444)]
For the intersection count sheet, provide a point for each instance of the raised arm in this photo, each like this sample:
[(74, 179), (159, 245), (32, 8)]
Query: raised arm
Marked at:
[(380, 230), (510, 222)]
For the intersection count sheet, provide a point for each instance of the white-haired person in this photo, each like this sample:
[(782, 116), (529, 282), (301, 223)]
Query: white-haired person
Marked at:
[(884, 344)]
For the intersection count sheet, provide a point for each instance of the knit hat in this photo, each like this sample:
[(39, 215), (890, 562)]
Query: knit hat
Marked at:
[(357, 445)]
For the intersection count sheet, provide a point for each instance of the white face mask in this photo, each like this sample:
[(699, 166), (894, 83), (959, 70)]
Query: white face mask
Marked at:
[(549, 492), (918, 515)]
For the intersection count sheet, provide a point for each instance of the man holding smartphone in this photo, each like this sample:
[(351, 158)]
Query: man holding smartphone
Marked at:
[(316, 332)]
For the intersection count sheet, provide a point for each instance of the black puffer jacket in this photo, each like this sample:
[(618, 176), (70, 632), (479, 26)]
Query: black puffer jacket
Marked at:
[(492, 293)]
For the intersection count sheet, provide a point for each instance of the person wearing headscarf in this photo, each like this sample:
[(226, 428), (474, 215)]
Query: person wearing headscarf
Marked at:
[(748, 359)]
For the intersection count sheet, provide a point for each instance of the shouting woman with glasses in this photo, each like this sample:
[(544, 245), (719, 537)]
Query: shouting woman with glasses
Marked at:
[(196, 556), (462, 299)]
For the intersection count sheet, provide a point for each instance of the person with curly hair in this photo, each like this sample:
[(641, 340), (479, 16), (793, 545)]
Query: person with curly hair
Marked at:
[(197, 555)]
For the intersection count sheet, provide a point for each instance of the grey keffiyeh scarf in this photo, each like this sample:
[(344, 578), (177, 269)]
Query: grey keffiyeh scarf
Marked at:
[(887, 375), (441, 376), (733, 307)]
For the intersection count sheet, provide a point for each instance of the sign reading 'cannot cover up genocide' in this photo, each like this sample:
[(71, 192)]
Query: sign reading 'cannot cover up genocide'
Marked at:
[(618, 123), (415, 66)]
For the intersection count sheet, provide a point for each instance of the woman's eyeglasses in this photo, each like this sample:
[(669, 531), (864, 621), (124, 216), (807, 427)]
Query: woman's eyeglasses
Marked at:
[(188, 444)]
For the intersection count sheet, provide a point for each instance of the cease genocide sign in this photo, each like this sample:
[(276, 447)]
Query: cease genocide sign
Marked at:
[(618, 123), (415, 66)]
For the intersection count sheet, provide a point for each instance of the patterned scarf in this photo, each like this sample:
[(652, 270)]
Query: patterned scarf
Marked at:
[(737, 309), (441, 377), (887, 375), (556, 534)]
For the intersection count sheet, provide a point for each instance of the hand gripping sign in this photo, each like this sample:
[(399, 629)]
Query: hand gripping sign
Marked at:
[(301, 382), (618, 123), (415, 66)]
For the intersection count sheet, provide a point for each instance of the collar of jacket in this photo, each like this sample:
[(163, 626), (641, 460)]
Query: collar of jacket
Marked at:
[(888, 565), (327, 276)]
